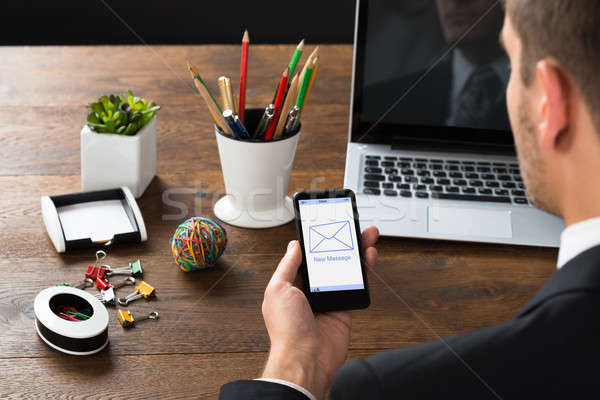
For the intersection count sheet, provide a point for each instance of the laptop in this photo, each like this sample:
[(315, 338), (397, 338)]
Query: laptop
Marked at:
[(430, 151)]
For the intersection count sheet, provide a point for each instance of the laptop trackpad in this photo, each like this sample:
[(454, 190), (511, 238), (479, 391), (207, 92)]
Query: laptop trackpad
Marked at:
[(469, 222)]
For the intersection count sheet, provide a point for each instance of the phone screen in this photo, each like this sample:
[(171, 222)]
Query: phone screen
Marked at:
[(330, 242)]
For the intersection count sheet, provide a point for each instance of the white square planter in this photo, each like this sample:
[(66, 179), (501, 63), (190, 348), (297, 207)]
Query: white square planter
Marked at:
[(110, 161)]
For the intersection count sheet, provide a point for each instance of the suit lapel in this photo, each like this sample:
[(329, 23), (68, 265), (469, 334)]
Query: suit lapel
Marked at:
[(580, 274)]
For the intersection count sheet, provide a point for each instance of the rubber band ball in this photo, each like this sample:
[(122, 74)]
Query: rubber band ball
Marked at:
[(198, 243)]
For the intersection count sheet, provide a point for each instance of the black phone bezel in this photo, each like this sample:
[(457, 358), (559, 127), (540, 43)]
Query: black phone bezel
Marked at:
[(335, 300)]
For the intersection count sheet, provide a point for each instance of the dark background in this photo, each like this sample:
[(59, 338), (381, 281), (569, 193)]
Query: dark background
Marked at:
[(175, 21)]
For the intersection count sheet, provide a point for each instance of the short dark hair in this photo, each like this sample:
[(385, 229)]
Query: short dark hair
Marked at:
[(568, 31)]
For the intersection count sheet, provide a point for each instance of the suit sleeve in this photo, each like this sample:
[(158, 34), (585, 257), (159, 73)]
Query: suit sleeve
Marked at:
[(526, 357), (259, 390), (432, 370)]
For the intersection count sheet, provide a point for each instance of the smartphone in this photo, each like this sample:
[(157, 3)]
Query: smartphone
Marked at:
[(333, 267)]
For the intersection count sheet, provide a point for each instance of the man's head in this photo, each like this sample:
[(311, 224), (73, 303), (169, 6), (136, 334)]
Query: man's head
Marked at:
[(554, 93), (476, 20)]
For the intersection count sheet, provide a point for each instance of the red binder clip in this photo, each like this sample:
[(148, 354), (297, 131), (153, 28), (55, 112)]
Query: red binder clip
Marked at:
[(103, 284), (92, 272), (96, 270)]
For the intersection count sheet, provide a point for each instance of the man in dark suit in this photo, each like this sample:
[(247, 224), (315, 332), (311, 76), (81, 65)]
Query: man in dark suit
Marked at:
[(469, 82), (550, 349)]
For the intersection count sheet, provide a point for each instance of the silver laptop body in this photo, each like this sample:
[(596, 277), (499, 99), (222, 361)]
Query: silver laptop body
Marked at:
[(422, 163)]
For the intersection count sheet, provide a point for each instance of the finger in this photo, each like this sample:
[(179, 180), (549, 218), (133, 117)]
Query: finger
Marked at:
[(370, 236), (371, 257), (288, 266)]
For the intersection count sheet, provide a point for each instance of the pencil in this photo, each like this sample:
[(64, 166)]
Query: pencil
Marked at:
[(293, 63), (315, 53), (212, 105), (195, 74), (310, 83), (243, 75), (278, 104), (305, 77), (303, 88), (296, 57), (287, 106)]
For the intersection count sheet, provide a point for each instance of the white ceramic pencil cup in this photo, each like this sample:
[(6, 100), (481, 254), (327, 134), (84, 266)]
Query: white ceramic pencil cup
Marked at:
[(256, 175)]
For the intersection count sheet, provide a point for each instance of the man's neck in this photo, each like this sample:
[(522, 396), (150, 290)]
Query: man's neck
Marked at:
[(481, 54), (580, 192), (584, 208), (578, 184)]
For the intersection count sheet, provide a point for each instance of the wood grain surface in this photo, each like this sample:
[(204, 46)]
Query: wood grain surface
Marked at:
[(210, 329)]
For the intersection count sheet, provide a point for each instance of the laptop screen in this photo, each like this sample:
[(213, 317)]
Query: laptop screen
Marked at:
[(431, 71)]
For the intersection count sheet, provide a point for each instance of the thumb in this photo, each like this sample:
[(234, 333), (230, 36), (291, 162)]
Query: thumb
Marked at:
[(288, 266)]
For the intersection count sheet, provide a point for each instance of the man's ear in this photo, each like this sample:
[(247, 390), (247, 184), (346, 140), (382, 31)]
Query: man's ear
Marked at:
[(553, 106)]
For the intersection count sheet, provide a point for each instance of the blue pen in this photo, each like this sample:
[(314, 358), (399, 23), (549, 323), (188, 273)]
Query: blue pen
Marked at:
[(236, 126), (241, 127)]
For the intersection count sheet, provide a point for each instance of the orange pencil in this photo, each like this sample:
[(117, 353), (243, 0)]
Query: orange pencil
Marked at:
[(243, 76), (290, 100), (278, 104)]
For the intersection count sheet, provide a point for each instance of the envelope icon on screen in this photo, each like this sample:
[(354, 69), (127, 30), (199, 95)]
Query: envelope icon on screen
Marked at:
[(334, 236)]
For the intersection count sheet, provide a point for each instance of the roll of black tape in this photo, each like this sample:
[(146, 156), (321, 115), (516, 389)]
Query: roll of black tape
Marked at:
[(72, 337)]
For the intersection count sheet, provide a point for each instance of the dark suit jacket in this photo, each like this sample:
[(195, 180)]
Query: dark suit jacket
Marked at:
[(423, 99), (550, 349)]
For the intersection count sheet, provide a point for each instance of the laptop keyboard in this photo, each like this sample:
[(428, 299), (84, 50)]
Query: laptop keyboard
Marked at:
[(444, 179)]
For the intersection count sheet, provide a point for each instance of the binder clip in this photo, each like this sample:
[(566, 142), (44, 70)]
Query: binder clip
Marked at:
[(127, 321), (133, 269), (103, 284), (107, 296), (142, 290), (107, 292), (107, 289), (96, 270)]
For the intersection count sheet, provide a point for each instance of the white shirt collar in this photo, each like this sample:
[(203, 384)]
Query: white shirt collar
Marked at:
[(577, 238)]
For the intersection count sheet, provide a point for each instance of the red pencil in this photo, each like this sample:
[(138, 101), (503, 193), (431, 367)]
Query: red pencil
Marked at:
[(278, 104), (243, 76)]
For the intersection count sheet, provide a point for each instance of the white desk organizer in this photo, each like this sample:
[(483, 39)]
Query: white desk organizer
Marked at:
[(93, 219), (256, 175)]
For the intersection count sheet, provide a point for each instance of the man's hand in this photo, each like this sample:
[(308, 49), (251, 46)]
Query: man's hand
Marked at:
[(306, 349)]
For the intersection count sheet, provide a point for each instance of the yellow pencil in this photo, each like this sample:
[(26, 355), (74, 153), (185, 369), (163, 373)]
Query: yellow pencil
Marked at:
[(310, 82)]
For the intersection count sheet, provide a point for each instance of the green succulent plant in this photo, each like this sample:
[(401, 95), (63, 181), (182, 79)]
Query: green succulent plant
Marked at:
[(123, 115)]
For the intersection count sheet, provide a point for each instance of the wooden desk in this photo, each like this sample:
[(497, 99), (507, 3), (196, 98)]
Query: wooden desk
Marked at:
[(210, 330)]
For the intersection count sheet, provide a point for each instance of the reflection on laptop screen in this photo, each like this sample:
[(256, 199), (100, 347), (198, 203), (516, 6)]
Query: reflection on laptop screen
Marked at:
[(435, 63)]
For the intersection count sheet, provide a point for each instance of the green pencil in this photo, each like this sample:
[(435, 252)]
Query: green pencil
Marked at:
[(303, 90), (212, 105), (196, 75), (296, 57), (209, 93), (304, 87)]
